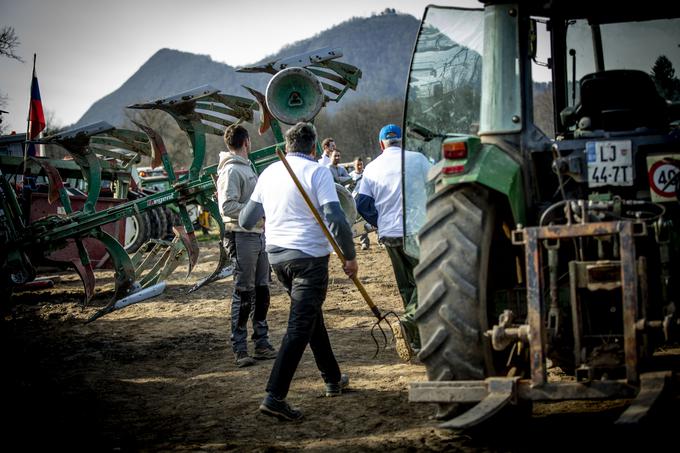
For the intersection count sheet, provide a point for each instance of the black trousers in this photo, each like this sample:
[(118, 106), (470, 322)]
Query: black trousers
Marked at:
[(306, 281)]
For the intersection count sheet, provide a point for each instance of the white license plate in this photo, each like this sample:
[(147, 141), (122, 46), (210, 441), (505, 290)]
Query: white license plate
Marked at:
[(610, 163)]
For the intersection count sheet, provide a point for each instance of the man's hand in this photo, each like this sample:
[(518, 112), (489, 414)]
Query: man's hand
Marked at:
[(351, 267)]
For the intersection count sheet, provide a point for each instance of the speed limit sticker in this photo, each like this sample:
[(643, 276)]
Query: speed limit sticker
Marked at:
[(664, 176)]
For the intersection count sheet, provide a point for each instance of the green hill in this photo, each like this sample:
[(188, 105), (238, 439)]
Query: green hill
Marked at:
[(379, 45)]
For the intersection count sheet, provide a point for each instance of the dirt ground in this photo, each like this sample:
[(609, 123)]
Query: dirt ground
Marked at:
[(160, 376)]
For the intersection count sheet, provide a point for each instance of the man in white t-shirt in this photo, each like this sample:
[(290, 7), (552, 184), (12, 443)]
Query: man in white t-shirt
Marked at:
[(327, 148), (298, 252), (379, 201)]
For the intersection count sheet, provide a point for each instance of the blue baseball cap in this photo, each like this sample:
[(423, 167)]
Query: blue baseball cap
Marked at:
[(389, 132)]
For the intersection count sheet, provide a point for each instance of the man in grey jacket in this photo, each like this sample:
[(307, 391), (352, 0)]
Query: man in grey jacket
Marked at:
[(246, 248)]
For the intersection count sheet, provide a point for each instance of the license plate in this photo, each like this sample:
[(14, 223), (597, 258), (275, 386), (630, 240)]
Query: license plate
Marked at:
[(610, 163)]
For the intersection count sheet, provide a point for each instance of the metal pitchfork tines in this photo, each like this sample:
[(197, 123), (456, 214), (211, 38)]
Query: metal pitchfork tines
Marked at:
[(403, 349)]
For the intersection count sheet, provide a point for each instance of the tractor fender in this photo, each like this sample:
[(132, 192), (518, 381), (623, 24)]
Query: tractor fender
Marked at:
[(488, 165)]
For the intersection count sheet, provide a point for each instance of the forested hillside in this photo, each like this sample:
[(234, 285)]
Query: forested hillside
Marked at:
[(380, 46)]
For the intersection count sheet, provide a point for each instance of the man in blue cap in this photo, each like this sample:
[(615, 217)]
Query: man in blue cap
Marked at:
[(379, 201)]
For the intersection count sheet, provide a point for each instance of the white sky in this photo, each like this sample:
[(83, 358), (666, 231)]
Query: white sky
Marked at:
[(88, 48)]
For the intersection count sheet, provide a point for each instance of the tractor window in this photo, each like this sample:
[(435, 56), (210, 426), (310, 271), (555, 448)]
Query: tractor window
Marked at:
[(442, 97), (649, 46), (542, 82), (443, 93)]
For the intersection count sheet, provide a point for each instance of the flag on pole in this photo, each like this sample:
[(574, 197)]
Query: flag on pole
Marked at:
[(36, 116)]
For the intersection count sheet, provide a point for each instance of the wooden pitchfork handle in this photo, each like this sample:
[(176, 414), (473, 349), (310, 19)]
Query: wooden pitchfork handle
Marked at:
[(328, 235)]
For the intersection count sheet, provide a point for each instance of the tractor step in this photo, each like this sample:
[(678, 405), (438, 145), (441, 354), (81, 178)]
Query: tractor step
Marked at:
[(491, 395), (652, 386), (501, 392)]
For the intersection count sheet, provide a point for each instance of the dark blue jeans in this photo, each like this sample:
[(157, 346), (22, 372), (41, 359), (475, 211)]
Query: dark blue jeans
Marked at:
[(306, 281)]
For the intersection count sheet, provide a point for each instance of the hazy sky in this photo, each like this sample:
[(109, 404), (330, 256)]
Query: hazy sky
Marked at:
[(88, 48)]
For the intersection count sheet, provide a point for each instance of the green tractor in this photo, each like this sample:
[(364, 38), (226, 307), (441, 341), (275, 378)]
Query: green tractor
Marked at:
[(549, 245)]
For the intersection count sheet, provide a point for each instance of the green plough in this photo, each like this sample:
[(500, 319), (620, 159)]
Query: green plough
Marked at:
[(101, 149)]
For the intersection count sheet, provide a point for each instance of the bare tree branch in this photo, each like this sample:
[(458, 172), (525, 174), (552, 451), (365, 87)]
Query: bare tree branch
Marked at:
[(9, 42)]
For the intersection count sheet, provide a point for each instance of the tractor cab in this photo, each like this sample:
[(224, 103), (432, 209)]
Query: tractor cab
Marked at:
[(549, 237)]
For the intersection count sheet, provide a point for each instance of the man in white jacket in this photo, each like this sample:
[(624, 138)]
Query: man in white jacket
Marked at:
[(379, 201), (246, 248)]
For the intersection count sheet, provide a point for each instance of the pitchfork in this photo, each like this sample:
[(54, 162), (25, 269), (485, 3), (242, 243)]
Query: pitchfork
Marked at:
[(403, 349)]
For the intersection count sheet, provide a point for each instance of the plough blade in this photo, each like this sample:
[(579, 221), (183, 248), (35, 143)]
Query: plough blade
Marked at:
[(87, 276), (167, 263), (56, 191), (190, 244), (55, 185), (158, 149), (265, 115), (223, 270), (137, 296)]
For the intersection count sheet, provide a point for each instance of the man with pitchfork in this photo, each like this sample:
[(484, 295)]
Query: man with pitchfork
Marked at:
[(299, 252)]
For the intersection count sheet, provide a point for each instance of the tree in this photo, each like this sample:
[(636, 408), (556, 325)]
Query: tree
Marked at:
[(9, 41), (8, 44), (664, 77), (543, 108), (355, 126), (3, 104)]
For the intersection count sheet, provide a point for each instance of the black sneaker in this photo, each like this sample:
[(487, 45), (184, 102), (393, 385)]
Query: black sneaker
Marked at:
[(243, 360), (279, 409), (335, 388), (265, 353)]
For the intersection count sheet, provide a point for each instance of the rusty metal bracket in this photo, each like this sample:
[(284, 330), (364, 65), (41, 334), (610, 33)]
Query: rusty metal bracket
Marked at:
[(530, 237)]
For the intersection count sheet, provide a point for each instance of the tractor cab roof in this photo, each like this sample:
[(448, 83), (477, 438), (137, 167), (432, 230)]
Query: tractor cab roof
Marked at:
[(596, 12)]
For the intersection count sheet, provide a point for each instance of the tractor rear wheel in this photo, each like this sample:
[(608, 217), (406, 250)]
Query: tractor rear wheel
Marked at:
[(452, 284), (162, 222), (453, 291), (137, 231), (155, 223)]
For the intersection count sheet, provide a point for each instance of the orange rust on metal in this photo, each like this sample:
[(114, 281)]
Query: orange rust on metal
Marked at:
[(158, 148), (265, 115), (629, 287), (534, 306), (576, 230), (190, 244), (56, 184)]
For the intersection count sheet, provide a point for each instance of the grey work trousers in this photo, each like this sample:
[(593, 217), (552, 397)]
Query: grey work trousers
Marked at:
[(251, 288)]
